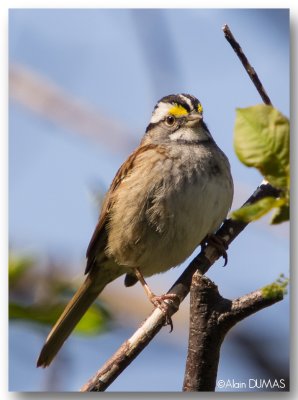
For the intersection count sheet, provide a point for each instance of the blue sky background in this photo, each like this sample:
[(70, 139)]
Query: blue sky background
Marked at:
[(120, 62)]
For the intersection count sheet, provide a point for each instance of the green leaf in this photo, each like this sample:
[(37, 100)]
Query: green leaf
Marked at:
[(43, 314), (273, 291), (261, 140), (256, 210), (281, 214), (94, 321), (277, 289), (18, 266)]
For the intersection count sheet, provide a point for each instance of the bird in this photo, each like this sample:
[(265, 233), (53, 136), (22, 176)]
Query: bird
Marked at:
[(170, 195)]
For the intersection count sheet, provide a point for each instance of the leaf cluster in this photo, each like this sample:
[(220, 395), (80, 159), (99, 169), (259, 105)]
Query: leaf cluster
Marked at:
[(56, 295), (262, 141), (277, 289)]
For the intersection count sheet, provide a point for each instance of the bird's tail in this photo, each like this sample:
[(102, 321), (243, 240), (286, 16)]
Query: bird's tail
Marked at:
[(72, 314)]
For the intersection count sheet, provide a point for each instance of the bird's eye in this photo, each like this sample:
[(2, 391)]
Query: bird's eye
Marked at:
[(170, 120)]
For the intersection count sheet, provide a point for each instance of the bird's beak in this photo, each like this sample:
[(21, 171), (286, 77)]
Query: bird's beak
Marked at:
[(193, 119)]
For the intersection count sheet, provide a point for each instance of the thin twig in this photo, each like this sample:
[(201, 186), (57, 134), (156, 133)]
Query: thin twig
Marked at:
[(249, 69), (246, 305)]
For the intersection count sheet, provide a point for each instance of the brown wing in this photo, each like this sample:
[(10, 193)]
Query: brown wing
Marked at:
[(99, 236)]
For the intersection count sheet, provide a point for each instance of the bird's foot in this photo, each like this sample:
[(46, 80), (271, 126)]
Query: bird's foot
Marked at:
[(161, 303), (220, 245)]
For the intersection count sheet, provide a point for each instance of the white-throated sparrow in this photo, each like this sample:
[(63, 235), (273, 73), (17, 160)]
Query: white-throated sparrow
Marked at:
[(172, 192)]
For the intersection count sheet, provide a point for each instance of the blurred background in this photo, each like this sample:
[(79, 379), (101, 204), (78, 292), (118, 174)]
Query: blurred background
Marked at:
[(82, 86)]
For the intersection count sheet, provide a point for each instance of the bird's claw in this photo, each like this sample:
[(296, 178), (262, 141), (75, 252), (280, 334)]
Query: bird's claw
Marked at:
[(220, 245), (161, 303)]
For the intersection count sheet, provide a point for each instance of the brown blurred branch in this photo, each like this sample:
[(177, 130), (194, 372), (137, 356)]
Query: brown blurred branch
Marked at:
[(45, 98)]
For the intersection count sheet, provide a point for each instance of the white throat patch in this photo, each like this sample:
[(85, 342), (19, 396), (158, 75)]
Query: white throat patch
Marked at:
[(187, 134)]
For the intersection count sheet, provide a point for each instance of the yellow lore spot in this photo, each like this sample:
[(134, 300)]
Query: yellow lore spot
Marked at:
[(177, 110), (200, 108)]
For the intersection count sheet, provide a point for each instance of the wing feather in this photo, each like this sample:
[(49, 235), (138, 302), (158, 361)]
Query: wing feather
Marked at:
[(99, 238)]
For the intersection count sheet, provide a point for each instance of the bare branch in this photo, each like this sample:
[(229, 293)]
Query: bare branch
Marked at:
[(126, 353), (249, 69), (212, 316), (130, 349), (247, 305)]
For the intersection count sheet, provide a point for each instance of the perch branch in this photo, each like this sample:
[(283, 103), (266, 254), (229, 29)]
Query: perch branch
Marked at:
[(131, 348)]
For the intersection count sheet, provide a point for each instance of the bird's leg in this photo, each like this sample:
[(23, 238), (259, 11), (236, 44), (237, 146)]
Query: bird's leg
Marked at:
[(157, 301), (219, 243)]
